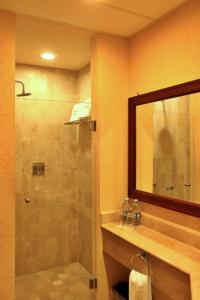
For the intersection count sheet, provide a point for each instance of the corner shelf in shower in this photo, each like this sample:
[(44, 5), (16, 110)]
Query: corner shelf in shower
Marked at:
[(83, 121)]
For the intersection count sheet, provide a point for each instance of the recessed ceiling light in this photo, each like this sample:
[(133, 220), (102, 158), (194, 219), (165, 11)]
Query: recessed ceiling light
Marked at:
[(48, 56)]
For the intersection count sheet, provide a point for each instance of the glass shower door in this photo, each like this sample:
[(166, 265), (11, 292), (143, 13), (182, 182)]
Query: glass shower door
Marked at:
[(54, 207)]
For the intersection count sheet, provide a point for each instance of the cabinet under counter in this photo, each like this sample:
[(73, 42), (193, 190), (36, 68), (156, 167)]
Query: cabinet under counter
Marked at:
[(175, 266)]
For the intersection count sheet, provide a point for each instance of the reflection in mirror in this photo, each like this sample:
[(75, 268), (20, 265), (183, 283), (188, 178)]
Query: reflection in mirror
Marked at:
[(168, 147)]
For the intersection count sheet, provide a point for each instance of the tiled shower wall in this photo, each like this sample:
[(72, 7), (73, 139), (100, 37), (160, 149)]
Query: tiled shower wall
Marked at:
[(48, 229), (84, 177)]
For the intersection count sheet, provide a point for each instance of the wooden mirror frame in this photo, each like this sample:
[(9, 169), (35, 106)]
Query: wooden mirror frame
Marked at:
[(163, 94)]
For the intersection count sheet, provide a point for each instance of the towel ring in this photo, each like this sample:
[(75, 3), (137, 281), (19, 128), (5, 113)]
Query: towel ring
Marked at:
[(143, 258)]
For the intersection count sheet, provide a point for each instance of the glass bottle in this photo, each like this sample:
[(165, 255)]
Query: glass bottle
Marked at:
[(136, 213)]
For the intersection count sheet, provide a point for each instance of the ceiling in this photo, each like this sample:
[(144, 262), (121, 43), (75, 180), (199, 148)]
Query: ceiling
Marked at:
[(70, 44), (46, 25), (119, 17)]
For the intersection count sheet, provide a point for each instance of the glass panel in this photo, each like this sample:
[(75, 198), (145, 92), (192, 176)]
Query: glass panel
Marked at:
[(54, 210)]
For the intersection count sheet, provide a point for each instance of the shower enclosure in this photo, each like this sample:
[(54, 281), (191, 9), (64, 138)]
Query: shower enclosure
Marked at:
[(54, 208)]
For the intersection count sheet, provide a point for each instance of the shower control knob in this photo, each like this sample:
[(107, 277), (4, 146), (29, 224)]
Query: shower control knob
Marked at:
[(27, 200)]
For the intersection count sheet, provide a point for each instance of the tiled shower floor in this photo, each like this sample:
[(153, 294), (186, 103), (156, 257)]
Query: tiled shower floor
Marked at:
[(68, 282)]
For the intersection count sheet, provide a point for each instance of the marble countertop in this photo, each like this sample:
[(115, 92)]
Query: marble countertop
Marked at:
[(177, 254)]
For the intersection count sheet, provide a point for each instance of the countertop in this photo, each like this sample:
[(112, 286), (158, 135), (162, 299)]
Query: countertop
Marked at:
[(175, 253)]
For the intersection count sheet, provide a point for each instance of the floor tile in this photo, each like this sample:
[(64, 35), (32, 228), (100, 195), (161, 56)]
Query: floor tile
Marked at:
[(69, 282)]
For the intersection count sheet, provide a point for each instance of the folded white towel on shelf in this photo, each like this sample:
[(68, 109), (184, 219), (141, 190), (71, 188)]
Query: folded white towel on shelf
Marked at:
[(81, 110), (139, 286)]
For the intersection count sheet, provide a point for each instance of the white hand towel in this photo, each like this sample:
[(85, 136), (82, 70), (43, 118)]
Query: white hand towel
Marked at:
[(139, 286), (80, 110)]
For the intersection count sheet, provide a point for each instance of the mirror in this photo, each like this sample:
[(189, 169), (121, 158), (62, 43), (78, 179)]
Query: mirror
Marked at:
[(164, 147), (170, 130)]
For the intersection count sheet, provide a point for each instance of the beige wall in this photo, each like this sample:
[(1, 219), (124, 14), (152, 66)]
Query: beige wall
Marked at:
[(7, 138), (165, 54), (84, 83), (109, 98), (110, 83)]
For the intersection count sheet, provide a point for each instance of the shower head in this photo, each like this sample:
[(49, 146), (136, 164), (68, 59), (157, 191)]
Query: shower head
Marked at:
[(23, 93)]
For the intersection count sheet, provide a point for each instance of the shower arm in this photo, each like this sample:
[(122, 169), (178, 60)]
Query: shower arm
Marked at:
[(20, 82), (23, 93)]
